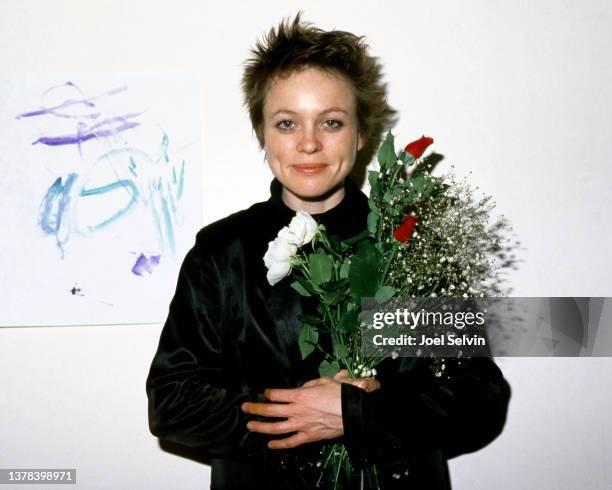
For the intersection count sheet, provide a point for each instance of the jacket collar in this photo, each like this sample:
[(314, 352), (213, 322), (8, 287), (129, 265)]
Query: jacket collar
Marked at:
[(346, 219)]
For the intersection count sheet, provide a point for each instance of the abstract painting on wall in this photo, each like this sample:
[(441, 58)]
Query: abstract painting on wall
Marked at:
[(100, 197)]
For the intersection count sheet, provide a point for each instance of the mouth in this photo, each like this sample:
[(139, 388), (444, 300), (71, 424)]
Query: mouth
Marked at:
[(309, 168)]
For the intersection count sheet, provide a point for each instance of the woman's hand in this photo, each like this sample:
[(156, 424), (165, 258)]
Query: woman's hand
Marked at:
[(313, 411), (367, 384)]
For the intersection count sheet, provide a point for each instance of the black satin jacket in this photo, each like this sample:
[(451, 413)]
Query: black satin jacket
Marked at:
[(229, 335)]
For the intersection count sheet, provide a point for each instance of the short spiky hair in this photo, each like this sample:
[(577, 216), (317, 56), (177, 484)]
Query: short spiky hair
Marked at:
[(297, 45)]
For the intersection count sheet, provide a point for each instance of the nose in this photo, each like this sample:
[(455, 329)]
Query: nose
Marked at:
[(309, 141)]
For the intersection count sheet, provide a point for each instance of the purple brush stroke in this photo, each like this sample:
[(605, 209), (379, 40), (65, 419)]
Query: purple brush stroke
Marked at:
[(70, 102), (145, 265), (80, 138)]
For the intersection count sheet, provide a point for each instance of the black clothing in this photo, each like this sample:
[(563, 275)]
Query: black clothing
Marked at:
[(229, 335)]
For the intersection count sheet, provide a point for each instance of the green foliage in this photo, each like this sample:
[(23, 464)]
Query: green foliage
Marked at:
[(340, 350), (421, 186), (373, 222), (306, 285), (334, 297), (374, 180), (344, 269), (386, 153), (313, 320), (309, 336), (327, 368), (384, 294), (320, 265), (349, 321), (300, 289), (364, 272), (406, 158)]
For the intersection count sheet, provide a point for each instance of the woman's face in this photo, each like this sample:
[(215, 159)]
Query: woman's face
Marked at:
[(311, 137)]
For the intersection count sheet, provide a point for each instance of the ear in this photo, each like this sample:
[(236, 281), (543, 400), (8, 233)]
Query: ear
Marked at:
[(360, 141)]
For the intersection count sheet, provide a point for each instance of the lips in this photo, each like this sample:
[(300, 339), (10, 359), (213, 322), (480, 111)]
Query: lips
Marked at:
[(309, 168)]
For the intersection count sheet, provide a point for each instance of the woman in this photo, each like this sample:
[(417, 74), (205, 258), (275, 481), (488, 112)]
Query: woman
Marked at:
[(228, 352)]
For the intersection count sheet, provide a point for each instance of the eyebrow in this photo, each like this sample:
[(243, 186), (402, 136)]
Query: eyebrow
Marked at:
[(331, 109)]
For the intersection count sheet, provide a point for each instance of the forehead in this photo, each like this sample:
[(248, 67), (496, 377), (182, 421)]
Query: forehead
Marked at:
[(309, 88)]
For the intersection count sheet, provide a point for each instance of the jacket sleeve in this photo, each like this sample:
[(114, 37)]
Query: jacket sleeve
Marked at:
[(191, 400), (459, 411)]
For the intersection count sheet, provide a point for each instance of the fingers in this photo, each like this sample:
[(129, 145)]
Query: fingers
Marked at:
[(290, 442), (343, 373), (282, 395), (267, 409), (316, 382), (367, 384), (273, 428)]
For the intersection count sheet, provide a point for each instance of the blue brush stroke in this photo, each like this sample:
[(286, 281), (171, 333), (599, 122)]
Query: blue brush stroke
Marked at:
[(169, 229), (179, 192), (58, 194), (54, 205), (158, 188), (128, 184), (132, 166)]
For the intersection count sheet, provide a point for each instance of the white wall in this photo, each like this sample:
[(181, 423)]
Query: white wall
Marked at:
[(519, 93)]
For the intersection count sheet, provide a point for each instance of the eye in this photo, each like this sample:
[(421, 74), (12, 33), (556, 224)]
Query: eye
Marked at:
[(285, 125), (333, 124)]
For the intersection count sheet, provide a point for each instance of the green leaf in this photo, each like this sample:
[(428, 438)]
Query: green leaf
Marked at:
[(328, 368), (344, 269), (332, 298), (422, 184), (334, 241), (357, 238), (417, 181), (386, 152), (374, 181), (307, 285), (384, 294), (300, 289), (372, 222), (312, 320), (407, 158), (307, 340), (349, 321), (320, 265), (372, 205), (340, 350), (366, 316), (364, 272), (335, 285)]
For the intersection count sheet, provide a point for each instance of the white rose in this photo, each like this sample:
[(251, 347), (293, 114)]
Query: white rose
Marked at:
[(303, 227), (278, 257), (281, 251)]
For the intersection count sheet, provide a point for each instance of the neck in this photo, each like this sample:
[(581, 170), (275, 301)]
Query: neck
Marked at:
[(316, 205)]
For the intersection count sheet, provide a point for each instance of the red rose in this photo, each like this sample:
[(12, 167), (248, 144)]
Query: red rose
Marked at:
[(418, 147), (402, 232)]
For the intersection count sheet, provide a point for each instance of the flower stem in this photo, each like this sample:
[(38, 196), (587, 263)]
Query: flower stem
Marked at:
[(390, 261)]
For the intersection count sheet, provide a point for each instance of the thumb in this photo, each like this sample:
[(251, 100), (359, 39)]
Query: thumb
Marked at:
[(343, 373), (367, 384)]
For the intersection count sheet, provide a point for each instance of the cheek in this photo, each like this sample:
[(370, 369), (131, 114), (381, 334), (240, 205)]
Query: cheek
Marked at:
[(280, 148), (346, 148)]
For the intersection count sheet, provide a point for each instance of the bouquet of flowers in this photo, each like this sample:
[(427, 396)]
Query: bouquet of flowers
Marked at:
[(426, 237)]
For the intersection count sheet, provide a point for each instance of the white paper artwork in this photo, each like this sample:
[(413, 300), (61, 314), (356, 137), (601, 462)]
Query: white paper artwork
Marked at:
[(100, 197)]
